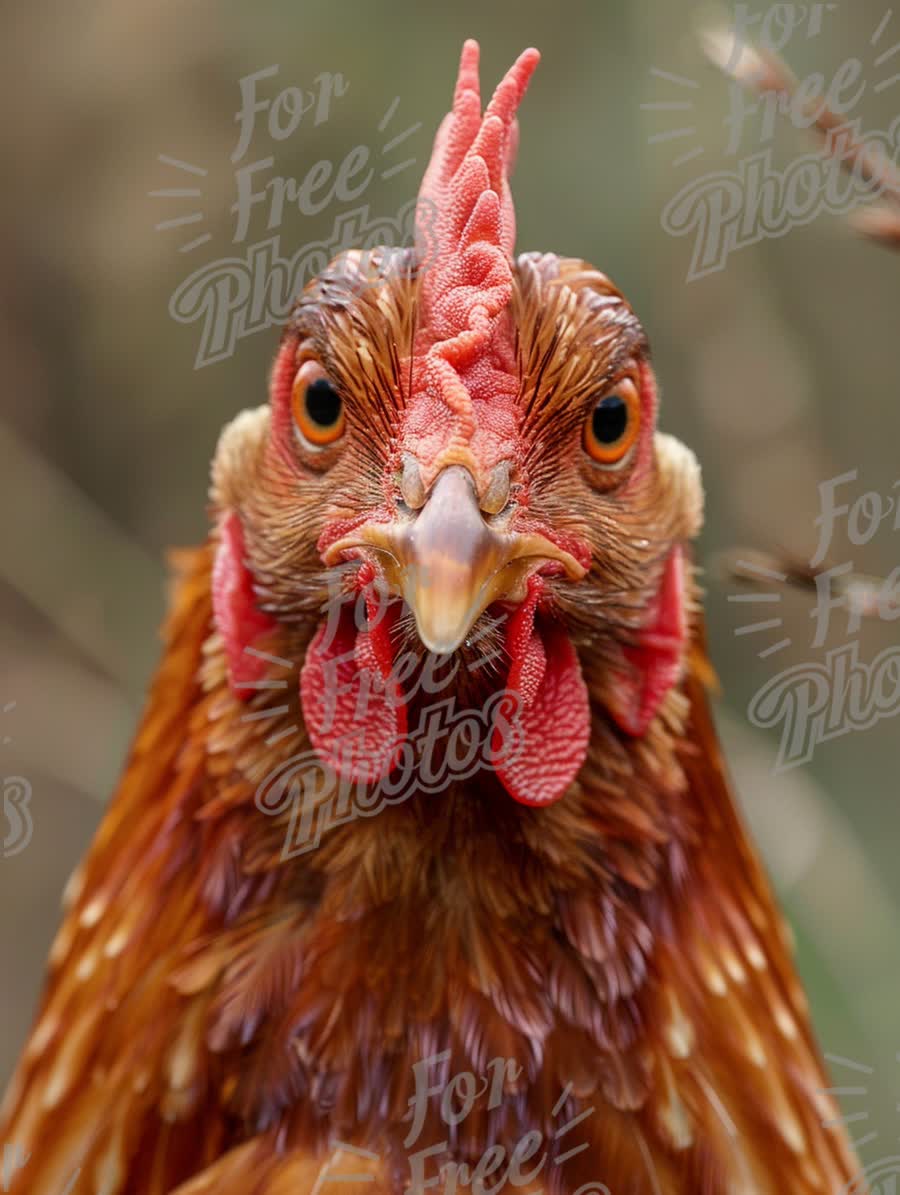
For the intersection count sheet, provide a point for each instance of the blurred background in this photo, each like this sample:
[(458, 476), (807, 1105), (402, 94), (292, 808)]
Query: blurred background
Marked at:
[(781, 370)]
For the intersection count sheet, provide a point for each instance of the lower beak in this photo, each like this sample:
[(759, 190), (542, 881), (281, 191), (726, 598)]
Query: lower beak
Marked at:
[(449, 564)]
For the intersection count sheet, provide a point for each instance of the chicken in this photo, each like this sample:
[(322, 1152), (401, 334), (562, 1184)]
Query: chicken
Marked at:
[(424, 868)]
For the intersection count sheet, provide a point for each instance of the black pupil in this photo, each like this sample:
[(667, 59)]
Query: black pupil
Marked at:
[(323, 404), (610, 419)]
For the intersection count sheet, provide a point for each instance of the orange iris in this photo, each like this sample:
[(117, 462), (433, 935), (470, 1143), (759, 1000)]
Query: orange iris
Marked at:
[(612, 427), (316, 406)]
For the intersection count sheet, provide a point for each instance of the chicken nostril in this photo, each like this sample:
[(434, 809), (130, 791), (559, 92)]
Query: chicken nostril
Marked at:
[(496, 496), (411, 486)]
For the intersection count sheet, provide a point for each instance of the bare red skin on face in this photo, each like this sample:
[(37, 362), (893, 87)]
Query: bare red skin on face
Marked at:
[(239, 620), (649, 404), (654, 664)]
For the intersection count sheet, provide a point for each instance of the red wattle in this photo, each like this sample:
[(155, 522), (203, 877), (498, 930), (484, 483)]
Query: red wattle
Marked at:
[(354, 712), (653, 664), (553, 724), (238, 619)]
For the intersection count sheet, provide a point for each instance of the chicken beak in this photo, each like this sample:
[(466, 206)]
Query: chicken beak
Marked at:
[(449, 564), (452, 562)]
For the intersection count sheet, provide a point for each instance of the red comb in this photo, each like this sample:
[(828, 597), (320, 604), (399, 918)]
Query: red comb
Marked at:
[(465, 236)]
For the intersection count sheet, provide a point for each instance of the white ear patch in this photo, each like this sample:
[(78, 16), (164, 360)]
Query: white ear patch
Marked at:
[(240, 443), (679, 473)]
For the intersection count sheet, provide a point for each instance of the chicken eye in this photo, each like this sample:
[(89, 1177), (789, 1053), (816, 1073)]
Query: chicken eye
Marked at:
[(612, 426), (317, 407)]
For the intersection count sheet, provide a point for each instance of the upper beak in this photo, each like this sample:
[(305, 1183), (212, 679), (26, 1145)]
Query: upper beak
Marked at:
[(450, 564)]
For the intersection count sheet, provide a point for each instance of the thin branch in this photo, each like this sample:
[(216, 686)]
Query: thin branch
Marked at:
[(763, 72), (865, 595)]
